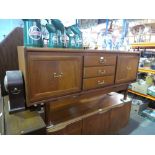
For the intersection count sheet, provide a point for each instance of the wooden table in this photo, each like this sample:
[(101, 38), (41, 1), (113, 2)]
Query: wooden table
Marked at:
[(24, 122)]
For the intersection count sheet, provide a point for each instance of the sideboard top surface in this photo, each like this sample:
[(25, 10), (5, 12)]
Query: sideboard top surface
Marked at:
[(45, 49)]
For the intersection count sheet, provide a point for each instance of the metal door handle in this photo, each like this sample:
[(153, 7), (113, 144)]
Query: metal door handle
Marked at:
[(100, 72), (57, 75), (100, 82)]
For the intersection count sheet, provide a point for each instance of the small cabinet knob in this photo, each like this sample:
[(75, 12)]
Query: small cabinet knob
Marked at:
[(101, 72)]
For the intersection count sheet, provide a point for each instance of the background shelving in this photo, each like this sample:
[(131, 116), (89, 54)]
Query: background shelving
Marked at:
[(139, 94)]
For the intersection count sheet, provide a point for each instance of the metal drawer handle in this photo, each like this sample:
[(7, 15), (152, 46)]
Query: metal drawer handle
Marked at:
[(102, 60), (15, 91), (100, 82), (128, 68), (57, 75), (100, 72)]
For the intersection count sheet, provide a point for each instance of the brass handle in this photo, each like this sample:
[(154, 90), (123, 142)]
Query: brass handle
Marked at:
[(15, 91), (57, 75), (128, 68), (102, 60), (100, 72), (100, 82)]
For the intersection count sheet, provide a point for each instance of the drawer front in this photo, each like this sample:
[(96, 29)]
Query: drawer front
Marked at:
[(98, 71), (101, 60), (97, 82)]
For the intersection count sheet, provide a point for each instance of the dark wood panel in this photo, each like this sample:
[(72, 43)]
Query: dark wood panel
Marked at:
[(8, 53), (87, 94), (91, 125), (98, 71), (72, 107), (102, 110), (71, 129), (119, 117), (97, 82), (97, 124), (74, 128), (100, 60), (127, 67), (53, 75)]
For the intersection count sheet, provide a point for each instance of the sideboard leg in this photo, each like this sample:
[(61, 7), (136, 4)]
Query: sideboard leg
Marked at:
[(125, 94), (47, 114)]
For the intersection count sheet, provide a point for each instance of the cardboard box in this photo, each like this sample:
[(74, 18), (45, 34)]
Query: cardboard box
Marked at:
[(138, 106), (141, 88), (151, 91)]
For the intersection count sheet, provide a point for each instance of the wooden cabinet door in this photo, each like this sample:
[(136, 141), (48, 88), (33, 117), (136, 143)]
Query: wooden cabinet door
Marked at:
[(127, 67), (74, 128), (119, 117), (53, 75), (97, 124)]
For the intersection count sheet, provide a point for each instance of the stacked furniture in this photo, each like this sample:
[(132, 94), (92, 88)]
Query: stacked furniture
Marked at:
[(72, 83)]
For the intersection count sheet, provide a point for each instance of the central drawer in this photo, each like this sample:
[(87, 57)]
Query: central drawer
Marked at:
[(97, 82), (98, 71), (102, 60)]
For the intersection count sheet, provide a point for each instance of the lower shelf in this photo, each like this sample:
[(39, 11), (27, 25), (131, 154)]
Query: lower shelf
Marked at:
[(146, 70), (146, 96)]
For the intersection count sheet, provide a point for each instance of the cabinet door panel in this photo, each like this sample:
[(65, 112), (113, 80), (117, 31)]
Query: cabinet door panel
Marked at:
[(74, 128), (53, 75), (127, 67), (119, 117), (97, 124)]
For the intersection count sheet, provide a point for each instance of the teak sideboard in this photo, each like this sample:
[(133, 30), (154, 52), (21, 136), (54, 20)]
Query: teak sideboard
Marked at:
[(66, 75)]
